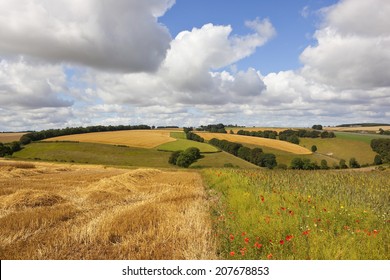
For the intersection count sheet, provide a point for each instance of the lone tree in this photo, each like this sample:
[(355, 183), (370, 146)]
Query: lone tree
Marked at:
[(314, 148), (353, 163)]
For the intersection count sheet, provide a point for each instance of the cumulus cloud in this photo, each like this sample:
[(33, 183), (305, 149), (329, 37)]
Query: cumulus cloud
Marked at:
[(27, 85), (353, 49), (121, 35), (190, 73)]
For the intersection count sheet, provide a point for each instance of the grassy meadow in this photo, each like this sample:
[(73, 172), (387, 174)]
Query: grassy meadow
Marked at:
[(93, 153), (183, 144), (300, 214)]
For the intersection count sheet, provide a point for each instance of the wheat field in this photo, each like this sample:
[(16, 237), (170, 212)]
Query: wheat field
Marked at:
[(131, 138), (271, 143), (10, 137), (50, 211)]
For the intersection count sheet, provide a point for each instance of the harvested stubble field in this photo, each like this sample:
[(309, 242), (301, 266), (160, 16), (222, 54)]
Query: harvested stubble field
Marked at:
[(52, 211), (10, 137), (131, 138), (271, 143)]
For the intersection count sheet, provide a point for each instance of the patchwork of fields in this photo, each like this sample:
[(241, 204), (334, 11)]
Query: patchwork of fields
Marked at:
[(64, 210)]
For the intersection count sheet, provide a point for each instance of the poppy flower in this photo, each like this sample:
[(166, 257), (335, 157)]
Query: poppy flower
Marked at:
[(262, 198), (269, 256), (289, 237), (231, 237), (258, 245), (232, 254), (246, 240), (291, 213), (306, 232), (281, 242), (243, 234)]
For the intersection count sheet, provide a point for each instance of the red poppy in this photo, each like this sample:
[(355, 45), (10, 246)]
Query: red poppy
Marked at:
[(262, 198), (231, 237), (289, 237), (258, 245), (243, 234), (291, 213), (281, 242), (283, 208), (246, 240), (269, 256), (306, 232), (232, 254)]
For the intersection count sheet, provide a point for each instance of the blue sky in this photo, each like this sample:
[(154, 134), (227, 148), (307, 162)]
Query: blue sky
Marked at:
[(193, 62), (295, 23)]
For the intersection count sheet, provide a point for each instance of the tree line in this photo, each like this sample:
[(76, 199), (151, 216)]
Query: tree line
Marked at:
[(214, 128), (49, 133), (382, 148), (255, 156), (9, 148)]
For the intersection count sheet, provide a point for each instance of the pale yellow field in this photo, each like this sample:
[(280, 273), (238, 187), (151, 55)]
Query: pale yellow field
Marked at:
[(10, 137), (52, 211), (357, 128), (277, 129), (271, 143), (132, 138)]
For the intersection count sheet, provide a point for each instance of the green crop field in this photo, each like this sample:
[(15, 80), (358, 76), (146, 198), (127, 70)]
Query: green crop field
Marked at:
[(331, 215), (182, 144), (342, 148), (93, 153), (222, 159), (178, 135)]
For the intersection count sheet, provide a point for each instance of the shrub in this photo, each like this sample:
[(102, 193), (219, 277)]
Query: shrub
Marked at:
[(353, 163)]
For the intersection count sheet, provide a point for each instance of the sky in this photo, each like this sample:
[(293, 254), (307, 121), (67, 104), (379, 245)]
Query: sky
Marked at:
[(273, 63)]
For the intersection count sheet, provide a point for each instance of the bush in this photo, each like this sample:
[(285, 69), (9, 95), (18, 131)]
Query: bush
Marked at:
[(378, 160), (342, 164), (353, 163), (314, 148), (186, 158)]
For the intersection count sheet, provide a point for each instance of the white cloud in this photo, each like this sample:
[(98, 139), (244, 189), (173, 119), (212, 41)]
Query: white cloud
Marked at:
[(119, 35), (27, 85)]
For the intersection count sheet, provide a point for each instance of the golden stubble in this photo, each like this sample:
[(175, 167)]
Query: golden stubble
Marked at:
[(73, 212)]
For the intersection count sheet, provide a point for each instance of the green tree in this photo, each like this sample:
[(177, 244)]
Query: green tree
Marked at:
[(353, 163), (324, 165), (173, 158), (378, 160), (296, 163), (314, 148), (342, 164)]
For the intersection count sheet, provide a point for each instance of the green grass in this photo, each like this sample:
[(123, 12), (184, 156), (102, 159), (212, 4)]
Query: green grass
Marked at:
[(277, 214), (93, 154), (182, 144), (178, 135), (366, 138), (341, 148), (222, 159)]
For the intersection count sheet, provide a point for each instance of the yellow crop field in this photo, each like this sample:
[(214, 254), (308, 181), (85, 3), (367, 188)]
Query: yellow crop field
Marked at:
[(277, 129), (358, 128), (271, 143), (10, 137), (132, 138), (50, 211)]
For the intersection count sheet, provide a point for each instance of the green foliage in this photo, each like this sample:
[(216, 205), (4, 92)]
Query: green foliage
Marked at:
[(324, 164), (194, 137), (185, 158), (317, 127), (289, 215), (303, 164), (9, 148), (343, 164), (353, 163), (382, 147), (378, 160), (263, 134), (213, 128), (314, 148), (255, 156)]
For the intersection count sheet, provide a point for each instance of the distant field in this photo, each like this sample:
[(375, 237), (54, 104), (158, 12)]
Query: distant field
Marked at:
[(10, 137), (94, 153), (235, 129), (357, 128), (222, 159), (52, 212), (131, 138), (271, 143), (343, 148), (182, 144)]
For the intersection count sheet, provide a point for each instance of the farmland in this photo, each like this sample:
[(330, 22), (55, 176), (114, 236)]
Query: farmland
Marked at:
[(10, 137), (117, 197), (77, 212), (131, 138), (271, 143), (300, 215)]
